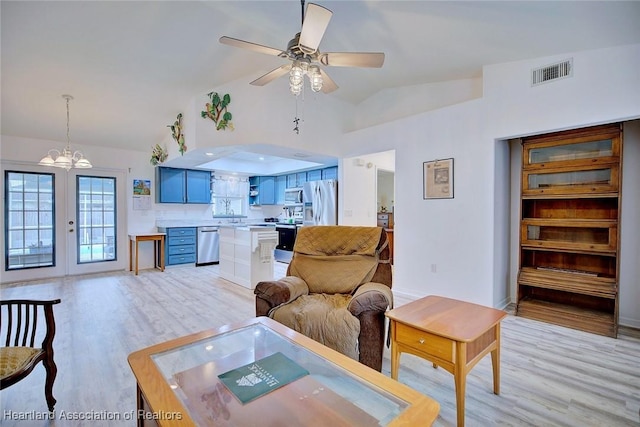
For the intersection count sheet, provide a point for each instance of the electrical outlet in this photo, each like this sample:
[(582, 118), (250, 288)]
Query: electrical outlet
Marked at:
[(348, 213), (433, 268)]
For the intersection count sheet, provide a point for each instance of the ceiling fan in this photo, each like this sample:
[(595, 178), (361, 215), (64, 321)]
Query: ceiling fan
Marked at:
[(305, 56)]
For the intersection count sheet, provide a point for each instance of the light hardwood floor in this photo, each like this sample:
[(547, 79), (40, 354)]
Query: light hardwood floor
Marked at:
[(551, 376)]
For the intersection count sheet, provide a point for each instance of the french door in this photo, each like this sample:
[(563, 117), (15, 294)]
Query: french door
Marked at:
[(59, 223), (95, 222)]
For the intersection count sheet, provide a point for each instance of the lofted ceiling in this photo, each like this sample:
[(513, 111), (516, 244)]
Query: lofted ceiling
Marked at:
[(130, 65)]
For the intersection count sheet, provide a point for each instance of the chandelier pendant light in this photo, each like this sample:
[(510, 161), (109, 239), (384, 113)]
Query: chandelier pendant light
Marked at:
[(66, 159)]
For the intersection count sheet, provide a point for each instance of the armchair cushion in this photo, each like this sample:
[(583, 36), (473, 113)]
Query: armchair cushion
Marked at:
[(15, 359), (324, 318), (371, 297)]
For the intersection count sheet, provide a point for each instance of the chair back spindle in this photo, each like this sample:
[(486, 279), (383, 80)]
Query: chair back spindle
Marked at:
[(21, 327)]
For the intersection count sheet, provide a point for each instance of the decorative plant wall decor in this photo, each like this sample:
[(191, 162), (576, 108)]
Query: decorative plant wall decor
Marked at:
[(176, 132), (216, 110), (158, 155)]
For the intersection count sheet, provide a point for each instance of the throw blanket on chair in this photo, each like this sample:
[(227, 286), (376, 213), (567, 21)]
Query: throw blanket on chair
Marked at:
[(325, 319)]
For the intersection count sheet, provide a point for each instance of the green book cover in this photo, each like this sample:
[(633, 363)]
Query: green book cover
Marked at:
[(262, 376)]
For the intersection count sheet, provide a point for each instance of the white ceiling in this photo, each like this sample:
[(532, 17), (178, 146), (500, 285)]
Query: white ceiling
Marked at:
[(132, 65)]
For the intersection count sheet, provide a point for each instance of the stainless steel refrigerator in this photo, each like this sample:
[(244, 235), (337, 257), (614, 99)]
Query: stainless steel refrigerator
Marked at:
[(320, 200)]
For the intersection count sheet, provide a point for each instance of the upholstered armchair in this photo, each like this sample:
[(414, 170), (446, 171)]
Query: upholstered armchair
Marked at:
[(336, 291), (23, 323)]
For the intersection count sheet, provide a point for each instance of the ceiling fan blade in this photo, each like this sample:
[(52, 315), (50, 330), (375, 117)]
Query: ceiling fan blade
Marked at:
[(353, 59), (251, 46), (316, 20), (272, 75), (328, 85)]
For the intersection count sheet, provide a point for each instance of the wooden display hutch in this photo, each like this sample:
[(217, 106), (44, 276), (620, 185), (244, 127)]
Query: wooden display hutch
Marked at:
[(569, 233)]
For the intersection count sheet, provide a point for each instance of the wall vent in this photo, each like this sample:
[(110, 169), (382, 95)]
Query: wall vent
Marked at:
[(552, 72)]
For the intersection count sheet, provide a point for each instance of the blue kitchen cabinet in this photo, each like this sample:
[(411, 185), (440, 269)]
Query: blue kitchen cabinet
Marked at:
[(314, 175), (330, 173), (292, 181), (267, 190), (198, 186), (170, 184), (302, 178), (183, 186), (296, 180), (281, 185), (262, 190), (181, 245)]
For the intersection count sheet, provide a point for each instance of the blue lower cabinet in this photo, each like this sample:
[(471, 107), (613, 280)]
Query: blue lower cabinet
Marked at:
[(181, 245)]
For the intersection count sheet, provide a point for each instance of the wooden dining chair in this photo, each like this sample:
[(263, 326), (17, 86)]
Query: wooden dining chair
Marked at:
[(22, 324)]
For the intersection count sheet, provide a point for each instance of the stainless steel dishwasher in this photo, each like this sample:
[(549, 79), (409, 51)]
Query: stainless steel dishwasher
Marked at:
[(208, 246)]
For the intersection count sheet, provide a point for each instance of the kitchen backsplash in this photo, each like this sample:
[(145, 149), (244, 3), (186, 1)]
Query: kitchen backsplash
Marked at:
[(202, 213)]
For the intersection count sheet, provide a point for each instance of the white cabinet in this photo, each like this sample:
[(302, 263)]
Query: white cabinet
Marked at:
[(246, 254)]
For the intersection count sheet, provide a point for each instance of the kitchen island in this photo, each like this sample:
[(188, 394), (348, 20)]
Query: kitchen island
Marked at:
[(246, 253)]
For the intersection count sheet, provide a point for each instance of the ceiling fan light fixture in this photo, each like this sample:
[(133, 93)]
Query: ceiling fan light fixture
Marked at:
[(315, 78), (296, 75), (295, 89)]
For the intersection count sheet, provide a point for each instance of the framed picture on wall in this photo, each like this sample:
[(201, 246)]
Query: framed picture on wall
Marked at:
[(438, 179)]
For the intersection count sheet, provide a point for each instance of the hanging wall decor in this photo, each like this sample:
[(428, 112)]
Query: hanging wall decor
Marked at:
[(438, 179), (158, 155), (216, 110), (176, 132)]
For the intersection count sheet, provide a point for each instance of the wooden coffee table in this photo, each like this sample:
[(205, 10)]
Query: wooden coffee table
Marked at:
[(449, 333), (178, 383)]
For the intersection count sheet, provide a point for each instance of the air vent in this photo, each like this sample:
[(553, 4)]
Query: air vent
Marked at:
[(552, 72)]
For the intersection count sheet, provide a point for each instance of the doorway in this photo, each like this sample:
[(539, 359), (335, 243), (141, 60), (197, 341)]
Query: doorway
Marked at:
[(385, 190)]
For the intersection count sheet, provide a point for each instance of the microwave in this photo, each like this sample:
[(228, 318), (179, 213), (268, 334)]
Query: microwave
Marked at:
[(293, 196)]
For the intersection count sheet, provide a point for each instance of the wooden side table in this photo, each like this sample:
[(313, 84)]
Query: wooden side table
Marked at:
[(449, 333), (158, 247)]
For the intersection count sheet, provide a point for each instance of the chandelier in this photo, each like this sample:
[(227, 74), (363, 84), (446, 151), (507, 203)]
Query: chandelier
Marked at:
[(299, 69), (66, 159)]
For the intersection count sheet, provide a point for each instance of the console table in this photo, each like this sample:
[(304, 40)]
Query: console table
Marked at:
[(158, 248), (449, 333)]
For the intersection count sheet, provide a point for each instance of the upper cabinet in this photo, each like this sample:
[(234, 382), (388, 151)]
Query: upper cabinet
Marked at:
[(170, 185), (330, 173), (183, 186), (314, 175), (269, 190), (262, 190), (198, 186), (281, 185), (295, 180)]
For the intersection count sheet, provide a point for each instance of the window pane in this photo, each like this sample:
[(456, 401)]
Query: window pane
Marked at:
[(96, 219), (29, 222)]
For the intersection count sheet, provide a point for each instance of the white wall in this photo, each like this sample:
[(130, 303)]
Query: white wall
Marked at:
[(392, 104), (449, 246)]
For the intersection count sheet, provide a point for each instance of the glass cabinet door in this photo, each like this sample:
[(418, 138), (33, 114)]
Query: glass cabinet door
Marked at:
[(558, 153), (593, 179)]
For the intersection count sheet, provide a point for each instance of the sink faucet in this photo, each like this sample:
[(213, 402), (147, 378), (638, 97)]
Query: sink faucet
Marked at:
[(233, 218)]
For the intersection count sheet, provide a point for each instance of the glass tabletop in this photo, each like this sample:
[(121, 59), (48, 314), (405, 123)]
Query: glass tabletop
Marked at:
[(329, 390)]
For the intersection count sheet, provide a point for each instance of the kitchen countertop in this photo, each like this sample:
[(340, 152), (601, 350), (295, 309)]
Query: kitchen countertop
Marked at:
[(210, 223)]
